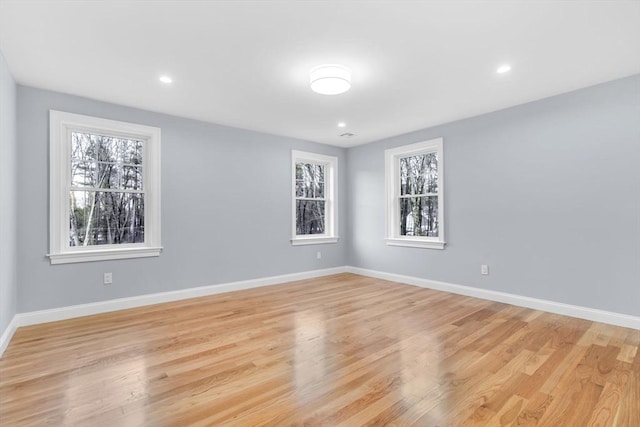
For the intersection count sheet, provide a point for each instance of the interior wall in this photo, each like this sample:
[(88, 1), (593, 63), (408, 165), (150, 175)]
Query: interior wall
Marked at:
[(546, 193), (226, 209), (8, 153)]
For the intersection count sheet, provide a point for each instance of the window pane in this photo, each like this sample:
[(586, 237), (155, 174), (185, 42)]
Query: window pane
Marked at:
[(131, 152), (88, 146), (305, 189), (106, 175), (319, 173), (119, 150), (130, 178), (419, 174), (309, 217), (301, 190), (83, 174), (309, 180), (419, 216), (83, 147), (318, 189), (107, 148), (99, 218)]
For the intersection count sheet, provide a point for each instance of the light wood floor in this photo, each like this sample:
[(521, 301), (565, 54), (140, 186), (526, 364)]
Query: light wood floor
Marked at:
[(340, 350)]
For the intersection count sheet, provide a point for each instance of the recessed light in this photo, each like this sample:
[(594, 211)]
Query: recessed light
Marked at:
[(165, 79), (342, 124), (503, 69)]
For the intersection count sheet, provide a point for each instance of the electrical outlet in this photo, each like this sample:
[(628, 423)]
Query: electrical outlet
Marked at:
[(108, 278), (319, 255), (484, 269)]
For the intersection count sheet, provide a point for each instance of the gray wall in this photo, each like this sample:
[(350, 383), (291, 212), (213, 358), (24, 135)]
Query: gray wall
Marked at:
[(221, 222), (8, 153), (547, 194)]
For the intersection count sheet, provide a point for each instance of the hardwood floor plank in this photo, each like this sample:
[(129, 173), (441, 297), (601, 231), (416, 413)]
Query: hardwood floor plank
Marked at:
[(607, 405), (628, 413), (627, 353), (509, 412), (338, 350), (533, 410)]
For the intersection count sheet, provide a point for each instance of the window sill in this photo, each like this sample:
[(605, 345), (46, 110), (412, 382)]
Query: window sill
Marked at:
[(103, 255), (415, 243), (313, 240)]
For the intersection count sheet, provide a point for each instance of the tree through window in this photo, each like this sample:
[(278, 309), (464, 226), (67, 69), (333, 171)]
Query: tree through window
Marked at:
[(310, 200), (415, 211), (107, 193), (419, 195), (314, 198), (105, 189)]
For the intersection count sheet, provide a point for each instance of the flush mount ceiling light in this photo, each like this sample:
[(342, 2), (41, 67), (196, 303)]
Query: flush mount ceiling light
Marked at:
[(342, 124), (330, 79), (503, 69), (165, 79)]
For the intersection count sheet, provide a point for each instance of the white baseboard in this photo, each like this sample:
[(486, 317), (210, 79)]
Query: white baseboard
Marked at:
[(595, 315), (7, 335), (43, 316)]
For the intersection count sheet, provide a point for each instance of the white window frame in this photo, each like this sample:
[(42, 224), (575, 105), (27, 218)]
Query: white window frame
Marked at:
[(61, 124), (331, 198), (392, 190)]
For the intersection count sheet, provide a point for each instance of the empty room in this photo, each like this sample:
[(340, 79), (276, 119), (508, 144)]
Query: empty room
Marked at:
[(319, 213)]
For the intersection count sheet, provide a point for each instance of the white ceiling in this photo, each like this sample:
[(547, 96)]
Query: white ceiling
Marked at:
[(246, 63)]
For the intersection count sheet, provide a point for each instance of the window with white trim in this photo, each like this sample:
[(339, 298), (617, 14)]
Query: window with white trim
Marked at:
[(414, 195), (315, 198), (104, 189)]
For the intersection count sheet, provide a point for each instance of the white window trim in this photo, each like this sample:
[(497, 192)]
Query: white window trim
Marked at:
[(331, 195), (60, 126), (392, 190)]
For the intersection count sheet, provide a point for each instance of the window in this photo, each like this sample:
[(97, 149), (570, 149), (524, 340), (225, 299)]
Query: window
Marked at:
[(314, 198), (415, 207), (104, 189)]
